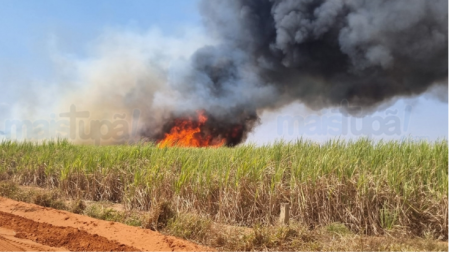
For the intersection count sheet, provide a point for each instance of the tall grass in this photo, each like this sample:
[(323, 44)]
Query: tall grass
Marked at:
[(369, 186)]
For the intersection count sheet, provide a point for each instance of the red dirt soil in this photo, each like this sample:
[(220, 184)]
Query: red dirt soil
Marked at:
[(28, 227)]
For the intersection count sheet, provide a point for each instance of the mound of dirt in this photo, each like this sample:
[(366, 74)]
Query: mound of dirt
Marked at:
[(36, 228), (54, 236), (10, 243)]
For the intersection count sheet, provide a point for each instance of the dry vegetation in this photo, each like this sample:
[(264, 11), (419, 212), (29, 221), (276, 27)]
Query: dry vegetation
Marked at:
[(343, 195)]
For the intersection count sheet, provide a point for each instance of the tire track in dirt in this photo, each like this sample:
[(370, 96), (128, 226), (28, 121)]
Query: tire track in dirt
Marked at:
[(8, 246)]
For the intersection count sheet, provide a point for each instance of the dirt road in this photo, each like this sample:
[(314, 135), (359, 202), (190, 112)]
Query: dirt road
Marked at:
[(9, 242), (28, 227)]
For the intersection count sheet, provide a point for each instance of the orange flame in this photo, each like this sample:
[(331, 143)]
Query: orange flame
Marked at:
[(188, 133)]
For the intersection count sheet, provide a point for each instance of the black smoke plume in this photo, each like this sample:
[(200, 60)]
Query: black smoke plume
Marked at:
[(318, 52)]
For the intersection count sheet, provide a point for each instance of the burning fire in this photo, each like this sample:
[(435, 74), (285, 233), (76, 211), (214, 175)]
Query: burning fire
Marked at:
[(191, 132)]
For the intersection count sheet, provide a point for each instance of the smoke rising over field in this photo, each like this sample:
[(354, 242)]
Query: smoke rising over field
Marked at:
[(322, 52), (265, 54), (273, 52)]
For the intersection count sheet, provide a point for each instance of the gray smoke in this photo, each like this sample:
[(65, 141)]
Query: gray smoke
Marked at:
[(321, 52), (269, 53), (318, 52)]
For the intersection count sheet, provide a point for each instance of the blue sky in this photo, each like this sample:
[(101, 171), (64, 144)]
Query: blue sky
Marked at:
[(28, 27)]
